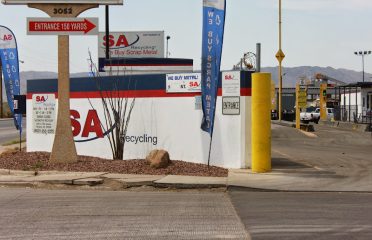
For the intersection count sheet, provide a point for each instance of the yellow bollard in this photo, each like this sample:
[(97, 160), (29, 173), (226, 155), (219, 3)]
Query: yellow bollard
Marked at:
[(261, 122)]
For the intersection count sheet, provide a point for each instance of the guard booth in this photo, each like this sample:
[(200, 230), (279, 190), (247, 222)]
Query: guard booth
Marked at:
[(166, 115), (355, 102)]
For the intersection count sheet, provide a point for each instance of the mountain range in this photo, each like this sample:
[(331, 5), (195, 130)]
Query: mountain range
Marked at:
[(291, 75)]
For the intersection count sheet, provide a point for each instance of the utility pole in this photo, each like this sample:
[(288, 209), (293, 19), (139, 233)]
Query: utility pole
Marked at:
[(280, 56), (107, 31), (258, 57)]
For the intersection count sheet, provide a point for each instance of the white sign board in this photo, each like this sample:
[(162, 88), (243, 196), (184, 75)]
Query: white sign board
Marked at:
[(101, 2), (43, 114), (231, 83), (231, 105), (183, 82), (132, 44), (62, 26)]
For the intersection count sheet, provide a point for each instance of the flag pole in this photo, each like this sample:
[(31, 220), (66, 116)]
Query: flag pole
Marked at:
[(20, 139), (210, 148)]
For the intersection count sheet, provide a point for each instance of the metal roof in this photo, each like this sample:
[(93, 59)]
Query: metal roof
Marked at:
[(358, 84)]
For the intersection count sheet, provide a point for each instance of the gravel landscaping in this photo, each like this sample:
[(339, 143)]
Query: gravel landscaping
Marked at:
[(39, 161)]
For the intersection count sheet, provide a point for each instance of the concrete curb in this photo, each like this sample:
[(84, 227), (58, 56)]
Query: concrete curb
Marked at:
[(252, 189), (184, 182), (303, 127), (29, 179), (283, 123), (346, 125)]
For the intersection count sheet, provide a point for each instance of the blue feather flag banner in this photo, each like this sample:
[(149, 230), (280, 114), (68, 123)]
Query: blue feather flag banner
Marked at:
[(213, 30), (10, 65)]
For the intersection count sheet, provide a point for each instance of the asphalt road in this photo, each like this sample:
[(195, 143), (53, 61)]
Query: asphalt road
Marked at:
[(8, 132), (305, 216), (340, 151), (57, 214), (76, 214)]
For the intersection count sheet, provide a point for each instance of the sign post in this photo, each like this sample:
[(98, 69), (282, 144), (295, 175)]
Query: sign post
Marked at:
[(64, 149), (323, 101), (63, 146), (301, 102)]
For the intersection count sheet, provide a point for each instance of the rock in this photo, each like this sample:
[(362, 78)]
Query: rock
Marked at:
[(158, 159)]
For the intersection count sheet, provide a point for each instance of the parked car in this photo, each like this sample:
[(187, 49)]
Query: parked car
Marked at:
[(312, 115)]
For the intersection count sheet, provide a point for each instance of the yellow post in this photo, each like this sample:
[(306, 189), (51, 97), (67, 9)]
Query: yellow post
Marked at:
[(273, 97), (323, 101), (261, 122), (298, 124)]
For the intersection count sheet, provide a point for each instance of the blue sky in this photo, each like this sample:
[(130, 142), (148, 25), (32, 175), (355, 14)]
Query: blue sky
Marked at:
[(315, 32)]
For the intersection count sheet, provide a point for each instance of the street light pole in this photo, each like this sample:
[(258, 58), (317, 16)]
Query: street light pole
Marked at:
[(168, 37), (363, 53), (107, 31)]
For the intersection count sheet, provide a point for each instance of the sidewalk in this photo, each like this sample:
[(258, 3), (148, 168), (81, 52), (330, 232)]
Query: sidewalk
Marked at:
[(106, 180), (294, 180)]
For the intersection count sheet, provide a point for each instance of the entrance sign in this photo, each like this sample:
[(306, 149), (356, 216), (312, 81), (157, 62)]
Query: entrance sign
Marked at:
[(62, 26), (183, 83), (231, 83), (102, 2), (230, 105)]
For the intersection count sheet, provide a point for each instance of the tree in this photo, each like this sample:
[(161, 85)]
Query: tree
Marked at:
[(117, 111)]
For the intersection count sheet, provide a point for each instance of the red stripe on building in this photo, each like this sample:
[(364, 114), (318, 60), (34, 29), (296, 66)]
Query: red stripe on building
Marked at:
[(137, 94)]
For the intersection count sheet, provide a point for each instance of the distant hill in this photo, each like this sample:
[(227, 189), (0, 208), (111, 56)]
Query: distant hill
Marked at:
[(293, 74), (30, 75)]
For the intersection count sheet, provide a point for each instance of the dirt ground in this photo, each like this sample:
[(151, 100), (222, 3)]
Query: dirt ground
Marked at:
[(39, 161)]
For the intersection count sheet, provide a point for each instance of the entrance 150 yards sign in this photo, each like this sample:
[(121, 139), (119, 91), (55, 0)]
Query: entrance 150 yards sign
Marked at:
[(62, 26)]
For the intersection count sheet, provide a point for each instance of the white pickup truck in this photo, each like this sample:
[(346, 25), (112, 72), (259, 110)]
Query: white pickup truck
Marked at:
[(313, 115)]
